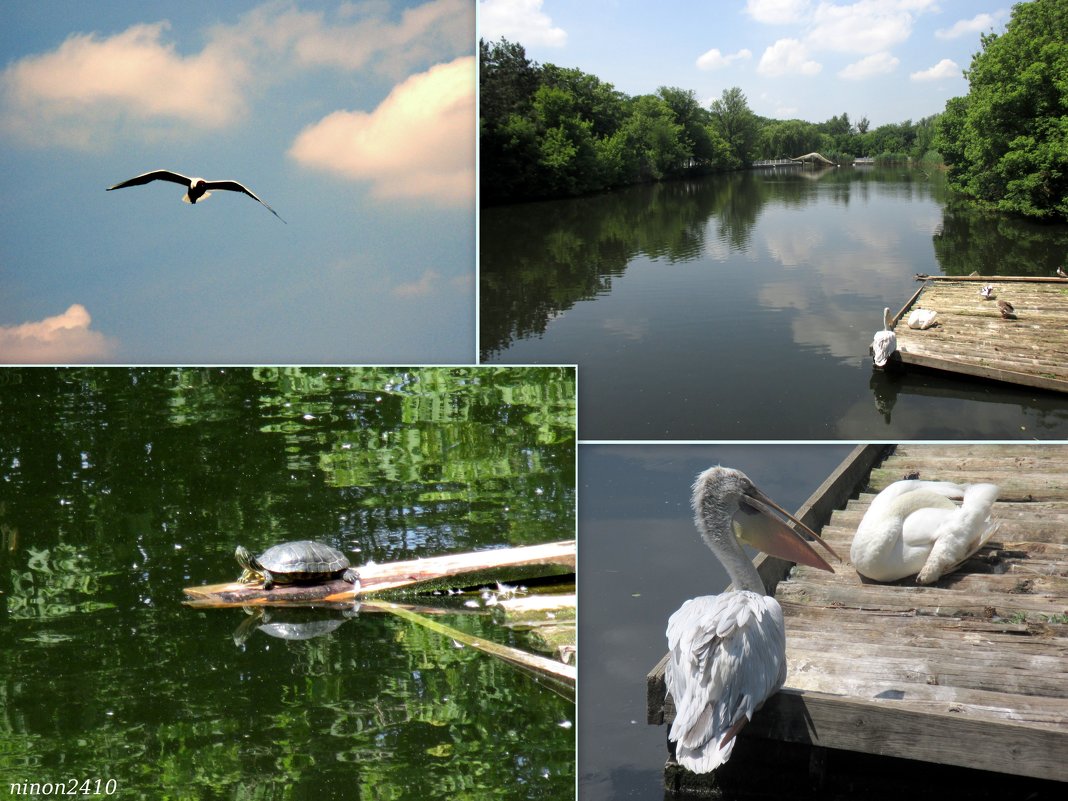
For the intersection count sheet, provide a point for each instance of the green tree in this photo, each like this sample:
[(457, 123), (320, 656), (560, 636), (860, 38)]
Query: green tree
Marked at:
[(650, 143), (737, 124), (1006, 143)]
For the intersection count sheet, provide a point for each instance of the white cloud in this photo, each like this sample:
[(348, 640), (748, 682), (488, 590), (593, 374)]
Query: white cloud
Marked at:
[(777, 12), (63, 339), (417, 143), (90, 85), (519, 21), (946, 68), (92, 89), (361, 37), (714, 60), (977, 24), (875, 64), (867, 26), (422, 286), (787, 56)]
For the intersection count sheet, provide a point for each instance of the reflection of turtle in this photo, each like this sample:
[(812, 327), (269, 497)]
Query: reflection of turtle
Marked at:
[(301, 562), (291, 624)]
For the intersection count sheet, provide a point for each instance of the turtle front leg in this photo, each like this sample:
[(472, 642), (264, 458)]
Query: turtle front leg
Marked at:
[(268, 580), (351, 576)]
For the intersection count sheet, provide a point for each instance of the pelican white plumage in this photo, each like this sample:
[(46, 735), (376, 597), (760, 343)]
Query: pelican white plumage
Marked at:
[(921, 318), (728, 652), (196, 188), (914, 528), (884, 343)]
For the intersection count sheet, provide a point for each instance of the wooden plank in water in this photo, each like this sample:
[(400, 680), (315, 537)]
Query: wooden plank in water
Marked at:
[(972, 338), (501, 564), (971, 671)]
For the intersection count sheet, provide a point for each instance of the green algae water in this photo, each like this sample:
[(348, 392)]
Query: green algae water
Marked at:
[(121, 486)]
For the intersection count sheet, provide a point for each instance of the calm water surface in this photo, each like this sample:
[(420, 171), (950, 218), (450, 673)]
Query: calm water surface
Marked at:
[(119, 487), (742, 305)]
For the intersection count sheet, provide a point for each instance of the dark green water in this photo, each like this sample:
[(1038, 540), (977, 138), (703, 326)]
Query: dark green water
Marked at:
[(742, 306), (119, 487)]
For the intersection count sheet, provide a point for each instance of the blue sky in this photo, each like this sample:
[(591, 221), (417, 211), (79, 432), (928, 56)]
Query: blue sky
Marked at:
[(887, 60), (354, 120)]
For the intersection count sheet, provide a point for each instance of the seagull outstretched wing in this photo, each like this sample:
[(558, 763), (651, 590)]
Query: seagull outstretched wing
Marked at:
[(234, 186), (155, 175)]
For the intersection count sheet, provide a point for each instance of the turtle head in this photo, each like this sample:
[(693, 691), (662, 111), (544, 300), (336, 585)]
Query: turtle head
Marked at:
[(246, 560)]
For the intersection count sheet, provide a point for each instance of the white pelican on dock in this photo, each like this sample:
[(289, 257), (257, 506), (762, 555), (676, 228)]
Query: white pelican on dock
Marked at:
[(884, 343), (728, 652), (921, 318), (914, 527), (196, 188)]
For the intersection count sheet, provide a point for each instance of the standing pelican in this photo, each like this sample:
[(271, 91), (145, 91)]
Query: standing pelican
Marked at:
[(914, 527), (884, 343), (196, 188), (728, 652)]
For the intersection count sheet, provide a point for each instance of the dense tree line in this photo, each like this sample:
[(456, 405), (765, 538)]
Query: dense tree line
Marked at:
[(1006, 142), (547, 131)]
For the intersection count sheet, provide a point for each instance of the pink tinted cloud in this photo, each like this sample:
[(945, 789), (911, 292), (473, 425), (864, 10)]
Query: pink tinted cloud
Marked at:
[(63, 339), (416, 144), (87, 86)]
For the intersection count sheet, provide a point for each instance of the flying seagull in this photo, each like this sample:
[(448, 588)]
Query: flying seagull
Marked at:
[(197, 188)]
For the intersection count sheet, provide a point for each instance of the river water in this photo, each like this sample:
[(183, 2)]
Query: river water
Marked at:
[(119, 487), (741, 306)]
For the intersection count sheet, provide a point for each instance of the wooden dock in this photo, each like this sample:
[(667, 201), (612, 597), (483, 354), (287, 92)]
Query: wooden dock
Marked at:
[(971, 671), (972, 338)]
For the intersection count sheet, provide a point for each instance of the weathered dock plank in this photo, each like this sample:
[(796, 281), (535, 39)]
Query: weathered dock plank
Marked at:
[(971, 337), (971, 671)]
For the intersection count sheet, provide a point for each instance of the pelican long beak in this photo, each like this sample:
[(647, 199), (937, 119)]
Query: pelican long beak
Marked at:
[(768, 527)]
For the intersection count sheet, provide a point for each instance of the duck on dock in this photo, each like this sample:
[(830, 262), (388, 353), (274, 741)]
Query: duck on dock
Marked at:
[(987, 292), (727, 652), (884, 343), (915, 528), (1061, 273), (1006, 309)]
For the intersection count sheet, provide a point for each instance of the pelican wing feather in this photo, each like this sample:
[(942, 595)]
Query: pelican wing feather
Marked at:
[(726, 655)]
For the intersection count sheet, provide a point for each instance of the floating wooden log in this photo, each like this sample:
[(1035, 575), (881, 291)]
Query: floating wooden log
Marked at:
[(549, 621), (559, 676), (439, 572)]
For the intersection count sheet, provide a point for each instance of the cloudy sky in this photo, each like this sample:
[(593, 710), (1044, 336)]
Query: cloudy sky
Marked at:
[(887, 60), (354, 120)]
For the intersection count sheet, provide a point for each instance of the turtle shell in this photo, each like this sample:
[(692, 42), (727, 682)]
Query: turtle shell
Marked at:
[(303, 560)]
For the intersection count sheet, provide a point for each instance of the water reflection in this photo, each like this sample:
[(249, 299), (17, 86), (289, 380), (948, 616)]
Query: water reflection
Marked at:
[(704, 302), (119, 487)]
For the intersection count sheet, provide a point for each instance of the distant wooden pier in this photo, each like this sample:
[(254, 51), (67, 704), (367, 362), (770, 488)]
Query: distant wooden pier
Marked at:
[(972, 338), (970, 672)]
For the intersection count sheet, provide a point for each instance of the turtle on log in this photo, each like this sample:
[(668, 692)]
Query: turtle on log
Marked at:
[(300, 562)]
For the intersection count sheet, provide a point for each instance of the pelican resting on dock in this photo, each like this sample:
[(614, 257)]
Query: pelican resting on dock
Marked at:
[(196, 188), (921, 318), (987, 292), (884, 343), (727, 652), (1006, 309), (914, 527)]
